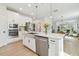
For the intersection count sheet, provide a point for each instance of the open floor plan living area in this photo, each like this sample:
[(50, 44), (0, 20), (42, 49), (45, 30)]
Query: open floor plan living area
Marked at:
[(39, 29)]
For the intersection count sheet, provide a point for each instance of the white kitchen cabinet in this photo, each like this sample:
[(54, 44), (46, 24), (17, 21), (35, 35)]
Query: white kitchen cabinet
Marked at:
[(29, 42), (21, 35), (32, 44), (26, 41), (55, 46)]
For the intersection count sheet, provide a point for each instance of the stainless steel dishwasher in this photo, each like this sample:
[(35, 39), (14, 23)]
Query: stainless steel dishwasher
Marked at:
[(41, 46)]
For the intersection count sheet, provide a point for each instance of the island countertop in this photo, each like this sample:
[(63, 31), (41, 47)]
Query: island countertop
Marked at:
[(53, 35)]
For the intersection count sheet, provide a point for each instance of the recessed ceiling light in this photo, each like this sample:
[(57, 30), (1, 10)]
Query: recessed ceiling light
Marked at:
[(29, 5), (17, 14), (20, 8)]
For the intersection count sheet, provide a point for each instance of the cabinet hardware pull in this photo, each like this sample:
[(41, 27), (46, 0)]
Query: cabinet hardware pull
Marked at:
[(48, 45), (29, 41), (52, 40)]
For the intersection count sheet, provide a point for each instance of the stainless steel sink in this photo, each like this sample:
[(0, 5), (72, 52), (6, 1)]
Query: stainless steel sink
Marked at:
[(32, 33)]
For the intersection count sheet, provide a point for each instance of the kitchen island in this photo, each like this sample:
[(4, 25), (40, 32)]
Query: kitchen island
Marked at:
[(53, 41), (45, 44)]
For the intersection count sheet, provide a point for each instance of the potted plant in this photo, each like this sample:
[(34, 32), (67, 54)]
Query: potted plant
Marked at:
[(46, 27)]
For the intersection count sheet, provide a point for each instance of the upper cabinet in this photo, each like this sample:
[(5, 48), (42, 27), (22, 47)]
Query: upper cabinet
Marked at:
[(12, 17)]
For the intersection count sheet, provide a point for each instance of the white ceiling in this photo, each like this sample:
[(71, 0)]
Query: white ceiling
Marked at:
[(44, 9)]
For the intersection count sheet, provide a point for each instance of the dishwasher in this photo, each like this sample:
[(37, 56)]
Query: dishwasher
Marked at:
[(41, 46)]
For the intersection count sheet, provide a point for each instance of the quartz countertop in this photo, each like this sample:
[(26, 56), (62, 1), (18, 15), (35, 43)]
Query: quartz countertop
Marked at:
[(53, 35)]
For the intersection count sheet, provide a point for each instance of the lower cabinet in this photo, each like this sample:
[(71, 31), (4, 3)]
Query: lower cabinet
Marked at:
[(53, 47), (30, 43)]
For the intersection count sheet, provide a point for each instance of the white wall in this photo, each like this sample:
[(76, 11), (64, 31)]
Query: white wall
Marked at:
[(3, 26), (7, 17)]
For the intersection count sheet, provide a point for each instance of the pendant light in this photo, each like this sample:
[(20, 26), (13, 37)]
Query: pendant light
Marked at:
[(36, 12), (50, 11)]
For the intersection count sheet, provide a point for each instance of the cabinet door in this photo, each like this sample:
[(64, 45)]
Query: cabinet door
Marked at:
[(32, 44), (54, 47), (25, 41), (21, 35)]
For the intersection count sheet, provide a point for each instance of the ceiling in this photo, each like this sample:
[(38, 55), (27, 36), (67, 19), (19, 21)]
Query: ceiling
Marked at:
[(42, 10)]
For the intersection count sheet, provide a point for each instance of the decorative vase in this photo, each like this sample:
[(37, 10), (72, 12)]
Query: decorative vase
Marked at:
[(46, 27), (45, 30)]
